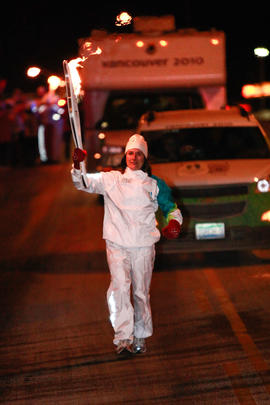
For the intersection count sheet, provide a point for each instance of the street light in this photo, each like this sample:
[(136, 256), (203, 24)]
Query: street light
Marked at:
[(261, 52), (33, 71), (53, 81)]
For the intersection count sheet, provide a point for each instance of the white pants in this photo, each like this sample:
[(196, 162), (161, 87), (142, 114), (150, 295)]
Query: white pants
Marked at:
[(130, 266)]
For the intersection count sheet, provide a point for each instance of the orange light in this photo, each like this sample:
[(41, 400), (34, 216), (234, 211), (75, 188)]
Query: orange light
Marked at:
[(62, 102), (139, 44), (54, 82), (101, 135), (251, 90), (97, 156), (256, 90), (214, 41), (33, 71), (266, 216), (162, 42), (123, 19), (266, 89)]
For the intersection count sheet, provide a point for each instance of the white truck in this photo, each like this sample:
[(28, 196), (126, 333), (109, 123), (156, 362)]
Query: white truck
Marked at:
[(154, 68)]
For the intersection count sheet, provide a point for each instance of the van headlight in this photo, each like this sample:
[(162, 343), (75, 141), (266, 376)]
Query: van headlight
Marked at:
[(263, 186)]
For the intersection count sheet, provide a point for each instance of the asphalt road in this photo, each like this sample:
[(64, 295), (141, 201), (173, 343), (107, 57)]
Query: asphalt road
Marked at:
[(211, 342)]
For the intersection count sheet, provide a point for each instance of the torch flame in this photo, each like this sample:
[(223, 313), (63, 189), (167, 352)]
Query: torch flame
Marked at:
[(88, 46), (74, 64)]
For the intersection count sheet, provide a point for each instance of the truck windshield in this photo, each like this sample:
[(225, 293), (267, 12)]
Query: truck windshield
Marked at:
[(209, 143), (124, 110)]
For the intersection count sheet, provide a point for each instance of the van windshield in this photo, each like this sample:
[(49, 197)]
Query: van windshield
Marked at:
[(209, 143), (124, 110)]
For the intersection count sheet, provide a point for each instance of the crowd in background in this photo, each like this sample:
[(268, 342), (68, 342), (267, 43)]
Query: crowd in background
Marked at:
[(34, 128)]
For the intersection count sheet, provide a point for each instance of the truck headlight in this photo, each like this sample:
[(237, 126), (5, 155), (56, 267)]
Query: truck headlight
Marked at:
[(263, 186)]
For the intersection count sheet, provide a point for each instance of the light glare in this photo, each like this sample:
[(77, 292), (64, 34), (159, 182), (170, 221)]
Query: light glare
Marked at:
[(214, 41), (123, 19), (261, 52), (33, 71), (54, 82), (263, 186), (266, 216), (163, 42), (139, 44)]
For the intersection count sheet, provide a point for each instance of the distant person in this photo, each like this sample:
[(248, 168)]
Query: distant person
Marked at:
[(131, 198)]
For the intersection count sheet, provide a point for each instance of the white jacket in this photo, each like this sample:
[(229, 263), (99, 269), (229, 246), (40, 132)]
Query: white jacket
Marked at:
[(130, 203)]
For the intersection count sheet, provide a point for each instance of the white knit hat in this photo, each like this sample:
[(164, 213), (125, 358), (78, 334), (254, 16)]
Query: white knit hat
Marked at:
[(137, 142)]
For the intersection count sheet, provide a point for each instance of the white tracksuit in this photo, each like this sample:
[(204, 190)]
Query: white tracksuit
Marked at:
[(129, 228)]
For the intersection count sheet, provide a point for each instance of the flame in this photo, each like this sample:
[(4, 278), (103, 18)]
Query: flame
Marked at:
[(88, 45), (75, 64)]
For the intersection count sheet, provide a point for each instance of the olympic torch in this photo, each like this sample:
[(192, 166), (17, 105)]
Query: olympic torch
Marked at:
[(74, 116)]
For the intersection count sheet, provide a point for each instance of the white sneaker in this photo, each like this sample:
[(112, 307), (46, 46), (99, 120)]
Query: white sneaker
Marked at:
[(139, 345), (123, 345)]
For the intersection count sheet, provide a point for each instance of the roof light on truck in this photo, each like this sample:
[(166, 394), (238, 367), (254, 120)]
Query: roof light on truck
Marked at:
[(139, 44), (162, 42), (214, 41)]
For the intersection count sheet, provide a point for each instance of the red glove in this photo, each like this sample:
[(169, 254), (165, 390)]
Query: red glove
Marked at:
[(172, 230), (78, 156)]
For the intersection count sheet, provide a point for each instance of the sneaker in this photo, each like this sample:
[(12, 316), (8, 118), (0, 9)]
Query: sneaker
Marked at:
[(139, 345), (123, 346)]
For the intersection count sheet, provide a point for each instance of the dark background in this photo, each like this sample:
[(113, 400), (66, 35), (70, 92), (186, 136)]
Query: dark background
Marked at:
[(45, 34)]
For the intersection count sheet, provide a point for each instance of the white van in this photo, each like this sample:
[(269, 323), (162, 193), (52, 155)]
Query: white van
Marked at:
[(218, 166)]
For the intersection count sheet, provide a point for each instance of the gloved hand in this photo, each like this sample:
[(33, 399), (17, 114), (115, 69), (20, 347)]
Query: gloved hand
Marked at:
[(172, 230), (78, 156)]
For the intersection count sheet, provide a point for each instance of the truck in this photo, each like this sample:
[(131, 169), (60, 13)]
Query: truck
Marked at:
[(154, 68)]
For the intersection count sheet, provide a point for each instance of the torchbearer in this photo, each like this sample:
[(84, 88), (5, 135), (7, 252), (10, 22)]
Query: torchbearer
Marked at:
[(131, 198)]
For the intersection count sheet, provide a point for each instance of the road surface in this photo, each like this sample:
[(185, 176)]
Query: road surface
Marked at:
[(211, 313)]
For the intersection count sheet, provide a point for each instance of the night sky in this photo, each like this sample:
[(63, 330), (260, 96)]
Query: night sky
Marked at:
[(47, 34)]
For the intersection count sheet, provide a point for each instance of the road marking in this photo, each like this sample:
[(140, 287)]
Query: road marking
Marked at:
[(243, 394), (236, 322), (253, 354)]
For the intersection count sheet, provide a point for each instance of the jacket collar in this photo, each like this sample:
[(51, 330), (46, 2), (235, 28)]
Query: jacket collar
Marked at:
[(135, 174)]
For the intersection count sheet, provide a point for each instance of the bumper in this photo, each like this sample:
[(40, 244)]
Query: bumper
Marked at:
[(236, 238)]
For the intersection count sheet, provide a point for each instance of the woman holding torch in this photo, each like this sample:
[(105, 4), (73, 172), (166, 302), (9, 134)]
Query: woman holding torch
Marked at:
[(131, 199)]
